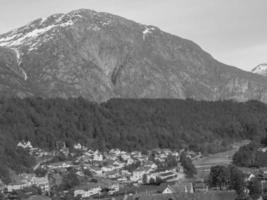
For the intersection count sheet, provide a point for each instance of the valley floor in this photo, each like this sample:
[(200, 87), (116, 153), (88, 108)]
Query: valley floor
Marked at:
[(204, 164)]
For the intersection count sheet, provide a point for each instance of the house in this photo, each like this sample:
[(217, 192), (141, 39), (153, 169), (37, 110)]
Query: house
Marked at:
[(264, 149), (15, 187), (98, 156), (250, 177), (96, 170), (130, 161), (60, 165), (200, 186), (2, 186), (115, 151), (87, 193), (77, 146), (114, 188), (138, 174), (118, 164), (108, 168), (125, 173), (167, 175), (112, 174), (41, 182), (179, 188), (25, 145)]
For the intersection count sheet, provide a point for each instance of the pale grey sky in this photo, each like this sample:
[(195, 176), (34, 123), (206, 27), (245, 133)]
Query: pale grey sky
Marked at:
[(233, 31)]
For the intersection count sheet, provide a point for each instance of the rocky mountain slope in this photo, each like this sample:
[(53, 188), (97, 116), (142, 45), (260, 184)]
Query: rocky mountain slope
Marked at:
[(100, 56), (260, 69)]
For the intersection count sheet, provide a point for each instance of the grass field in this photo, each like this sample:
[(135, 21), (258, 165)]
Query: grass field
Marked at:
[(223, 158), (38, 197), (213, 195)]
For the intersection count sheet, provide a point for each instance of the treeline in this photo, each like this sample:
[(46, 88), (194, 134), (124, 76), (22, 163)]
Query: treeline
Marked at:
[(232, 178), (128, 124), (251, 155)]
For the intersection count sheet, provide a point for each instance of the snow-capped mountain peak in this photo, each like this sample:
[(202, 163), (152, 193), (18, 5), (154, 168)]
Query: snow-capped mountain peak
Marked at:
[(100, 56), (41, 30), (260, 69), (38, 31)]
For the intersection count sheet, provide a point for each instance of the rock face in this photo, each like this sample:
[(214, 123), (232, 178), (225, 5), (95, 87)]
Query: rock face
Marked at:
[(260, 69), (100, 56)]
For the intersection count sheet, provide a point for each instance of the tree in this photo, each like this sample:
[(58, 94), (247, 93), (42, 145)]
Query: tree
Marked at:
[(144, 179), (188, 166), (40, 172), (152, 156), (264, 141), (133, 166), (237, 180), (152, 181), (246, 155), (87, 172), (158, 181), (4, 173), (254, 187), (219, 176), (69, 181), (171, 161)]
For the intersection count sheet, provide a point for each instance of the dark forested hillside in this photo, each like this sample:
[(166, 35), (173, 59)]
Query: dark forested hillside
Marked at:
[(128, 123)]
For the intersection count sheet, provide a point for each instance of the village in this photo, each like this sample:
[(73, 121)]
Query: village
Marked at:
[(115, 174), (97, 173)]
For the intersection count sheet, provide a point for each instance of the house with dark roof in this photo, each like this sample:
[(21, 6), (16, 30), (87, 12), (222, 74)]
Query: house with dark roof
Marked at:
[(200, 186), (179, 188)]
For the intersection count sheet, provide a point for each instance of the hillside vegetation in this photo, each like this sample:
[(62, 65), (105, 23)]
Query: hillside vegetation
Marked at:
[(126, 124)]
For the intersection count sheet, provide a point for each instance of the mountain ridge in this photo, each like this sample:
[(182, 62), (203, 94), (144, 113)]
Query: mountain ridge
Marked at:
[(100, 56), (260, 69)]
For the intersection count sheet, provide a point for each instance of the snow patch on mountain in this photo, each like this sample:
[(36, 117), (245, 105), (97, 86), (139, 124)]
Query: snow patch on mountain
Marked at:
[(260, 69), (148, 30), (18, 38), (43, 20), (19, 61), (8, 38), (24, 74), (17, 55), (35, 33)]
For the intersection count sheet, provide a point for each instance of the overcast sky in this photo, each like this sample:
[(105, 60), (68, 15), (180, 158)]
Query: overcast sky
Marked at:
[(233, 31)]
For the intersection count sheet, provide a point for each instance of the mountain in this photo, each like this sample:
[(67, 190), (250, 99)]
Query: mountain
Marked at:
[(100, 56), (260, 69)]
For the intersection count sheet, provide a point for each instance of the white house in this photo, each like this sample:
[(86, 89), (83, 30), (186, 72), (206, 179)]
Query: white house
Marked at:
[(114, 188), (130, 161), (11, 188), (138, 174), (77, 146), (262, 149), (87, 193), (25, 145), (59, 165), (41, 182), (98, 156)]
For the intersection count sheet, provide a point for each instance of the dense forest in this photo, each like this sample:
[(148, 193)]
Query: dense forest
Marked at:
[(253, 154), (127, 124)]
